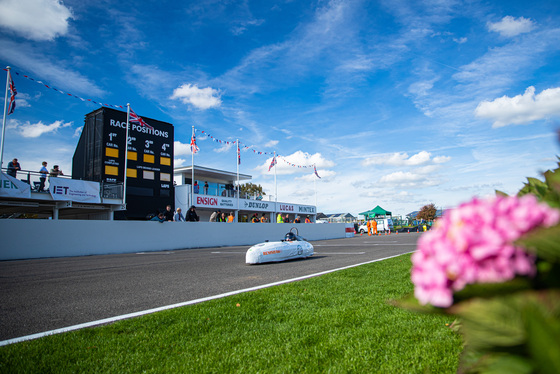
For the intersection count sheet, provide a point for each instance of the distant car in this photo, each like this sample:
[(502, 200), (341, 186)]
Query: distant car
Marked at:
[(383, 224), (293, 246)]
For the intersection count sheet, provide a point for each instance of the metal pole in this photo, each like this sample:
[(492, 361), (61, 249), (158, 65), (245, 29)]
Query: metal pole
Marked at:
[(192, 168), (237, 162), (4, 120), (126, 152), (275, 188)]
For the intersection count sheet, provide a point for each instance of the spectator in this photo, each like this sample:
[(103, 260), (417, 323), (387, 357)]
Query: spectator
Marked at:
[(178, 216), (196, 187), (168, 214), (307, 219), (43, 178), (13, 167), (255, 218), (206, 188), (297, 220), (287, 219), (223, 217), (55, 172), (213, 216), (159, 218), (279, 218), (191, 215), (264, 219), (231, 217)]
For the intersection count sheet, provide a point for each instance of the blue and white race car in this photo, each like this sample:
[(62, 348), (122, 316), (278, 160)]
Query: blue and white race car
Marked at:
[(293, 246)]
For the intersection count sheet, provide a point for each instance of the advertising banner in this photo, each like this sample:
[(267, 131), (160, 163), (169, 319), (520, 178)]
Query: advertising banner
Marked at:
[(306, 209), (287, 208), (257, 206), (74, 190), (12, 187), (218, 202)]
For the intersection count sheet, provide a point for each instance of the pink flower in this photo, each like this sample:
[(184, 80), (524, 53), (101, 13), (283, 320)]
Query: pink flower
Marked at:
[(474, 244)]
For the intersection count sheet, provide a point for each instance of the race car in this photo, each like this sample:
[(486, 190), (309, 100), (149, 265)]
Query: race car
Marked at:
[(293, 246)]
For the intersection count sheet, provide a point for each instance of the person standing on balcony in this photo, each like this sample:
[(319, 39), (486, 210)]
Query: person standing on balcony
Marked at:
[(43, 178), (13, 167)]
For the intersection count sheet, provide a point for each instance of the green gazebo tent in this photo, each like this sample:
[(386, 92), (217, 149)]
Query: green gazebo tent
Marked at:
[(375, 212)]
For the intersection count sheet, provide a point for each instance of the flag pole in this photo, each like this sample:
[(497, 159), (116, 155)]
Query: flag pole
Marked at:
[(4, 119), (126, 152), (315, 186), (275, 188), (192, 167), (238, 162)]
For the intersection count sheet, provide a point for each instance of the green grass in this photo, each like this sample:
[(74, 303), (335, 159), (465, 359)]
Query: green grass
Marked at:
[(337, 323)]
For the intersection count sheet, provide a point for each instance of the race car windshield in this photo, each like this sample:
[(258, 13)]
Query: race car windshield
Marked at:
[(290, 237)]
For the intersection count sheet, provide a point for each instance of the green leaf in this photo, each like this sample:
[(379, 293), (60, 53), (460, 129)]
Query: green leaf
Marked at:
[(511, 364), (545, 242), (543, 329), (491, 323), (501, 193)]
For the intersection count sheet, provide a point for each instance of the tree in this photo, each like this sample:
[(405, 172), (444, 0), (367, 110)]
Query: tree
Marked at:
[(251, 189), (428, 212)]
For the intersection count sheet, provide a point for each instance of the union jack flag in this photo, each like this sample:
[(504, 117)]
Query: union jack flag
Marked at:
[(238, 155), (315, 170), (13, 93), (194, 147), (272, 163), (135, 118)]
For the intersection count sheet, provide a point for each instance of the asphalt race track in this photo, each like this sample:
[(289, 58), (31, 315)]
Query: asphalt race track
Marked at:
[(47, 294)]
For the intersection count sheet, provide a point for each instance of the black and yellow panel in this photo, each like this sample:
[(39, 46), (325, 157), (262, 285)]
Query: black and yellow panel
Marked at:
[(112, 152), (165, 177), (132, 173), (148, 174), (165, 161), (149, 158), (132, 156), (111, 170)]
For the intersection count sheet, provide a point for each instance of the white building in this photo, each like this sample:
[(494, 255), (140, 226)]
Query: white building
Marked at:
[(221, 194)]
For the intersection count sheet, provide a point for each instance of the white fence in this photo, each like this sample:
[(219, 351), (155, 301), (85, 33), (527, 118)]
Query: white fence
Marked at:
[(34, 238)]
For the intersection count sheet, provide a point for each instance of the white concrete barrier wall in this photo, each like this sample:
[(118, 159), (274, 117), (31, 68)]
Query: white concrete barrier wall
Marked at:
[(26, 239)]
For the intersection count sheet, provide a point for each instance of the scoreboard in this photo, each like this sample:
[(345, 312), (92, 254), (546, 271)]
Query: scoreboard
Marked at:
[(100, 156)]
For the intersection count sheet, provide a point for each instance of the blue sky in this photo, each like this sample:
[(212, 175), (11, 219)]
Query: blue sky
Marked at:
[(397, 103)]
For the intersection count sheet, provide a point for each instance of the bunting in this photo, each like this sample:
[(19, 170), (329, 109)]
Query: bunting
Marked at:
[(134, 118), (67, 93)]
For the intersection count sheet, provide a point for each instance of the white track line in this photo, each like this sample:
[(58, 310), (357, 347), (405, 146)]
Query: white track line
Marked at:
[(173, 306)]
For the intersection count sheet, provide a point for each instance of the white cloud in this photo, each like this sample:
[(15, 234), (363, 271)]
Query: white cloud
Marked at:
[(34, 130), (407, 180), (460, 40), (224, 147), (178, 162), (510, 26), (78, 131), (402, 159), (202, 99), (521, 109), (271, 143), (181, 149), (35, 19)]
